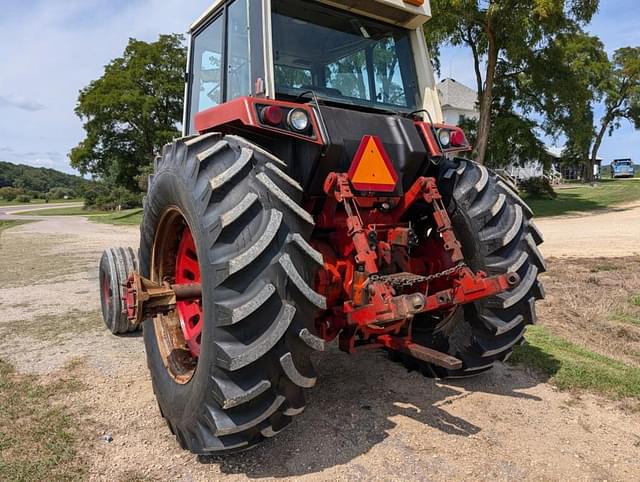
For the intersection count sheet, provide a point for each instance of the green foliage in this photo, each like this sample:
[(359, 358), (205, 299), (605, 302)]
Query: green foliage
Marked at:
[(621, 93), (9, 193), (131, 111), (23, 198), (104, 197), (538, 188), (36, 181), (59, 193), (505, 38)]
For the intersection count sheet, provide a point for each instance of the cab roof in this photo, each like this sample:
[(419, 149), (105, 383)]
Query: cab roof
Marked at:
[(406, 13)]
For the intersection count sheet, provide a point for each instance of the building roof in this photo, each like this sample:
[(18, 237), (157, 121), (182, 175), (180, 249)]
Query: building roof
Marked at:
[(559, 152), (455, 95)]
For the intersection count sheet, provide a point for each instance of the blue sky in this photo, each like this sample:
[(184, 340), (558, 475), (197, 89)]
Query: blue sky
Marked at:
[(50, 49)]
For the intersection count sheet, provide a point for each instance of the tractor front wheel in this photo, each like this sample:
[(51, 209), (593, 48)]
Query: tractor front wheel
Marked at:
[(115, 266)]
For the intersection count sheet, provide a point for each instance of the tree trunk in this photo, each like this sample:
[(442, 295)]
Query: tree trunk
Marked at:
[(476, 64), (596, 146), (484, 124)]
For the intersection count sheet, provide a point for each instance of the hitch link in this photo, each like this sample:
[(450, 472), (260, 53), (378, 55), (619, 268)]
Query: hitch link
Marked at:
[(145, 298)]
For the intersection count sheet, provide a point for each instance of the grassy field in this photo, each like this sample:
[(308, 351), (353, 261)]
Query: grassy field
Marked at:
[(37, 201), (6, 224), (572, 367), (37, 432), (64, 211), (125, 217), (580, 198)]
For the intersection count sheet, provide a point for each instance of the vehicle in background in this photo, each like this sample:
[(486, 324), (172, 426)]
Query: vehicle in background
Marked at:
[(622, 168)]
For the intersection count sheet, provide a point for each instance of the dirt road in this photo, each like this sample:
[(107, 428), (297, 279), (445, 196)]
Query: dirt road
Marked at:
[(367, 419), (615, 233), (13, 212)]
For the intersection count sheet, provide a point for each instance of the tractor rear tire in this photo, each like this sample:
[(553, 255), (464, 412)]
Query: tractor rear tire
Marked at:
[(115, 266), (257, 271), (494, 226)]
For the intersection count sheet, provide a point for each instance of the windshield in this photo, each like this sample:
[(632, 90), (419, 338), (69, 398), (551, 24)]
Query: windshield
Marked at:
[(343, 57)]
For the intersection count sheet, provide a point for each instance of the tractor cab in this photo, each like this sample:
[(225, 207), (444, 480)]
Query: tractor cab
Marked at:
[(368, 56), (310, 79)]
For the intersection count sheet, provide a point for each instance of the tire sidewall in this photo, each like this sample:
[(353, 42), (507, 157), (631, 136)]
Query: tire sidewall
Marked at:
[(108, 308), (171, 188)]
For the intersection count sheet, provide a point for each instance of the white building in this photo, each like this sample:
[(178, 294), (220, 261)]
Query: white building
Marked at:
[(458, 102)]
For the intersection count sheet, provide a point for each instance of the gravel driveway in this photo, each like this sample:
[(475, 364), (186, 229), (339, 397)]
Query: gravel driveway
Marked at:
[(367, 419)]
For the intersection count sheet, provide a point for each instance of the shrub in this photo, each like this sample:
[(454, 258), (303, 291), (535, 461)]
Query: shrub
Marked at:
[(539, 188), (23, 198), (9, 193), (60, 193), (99, 196)]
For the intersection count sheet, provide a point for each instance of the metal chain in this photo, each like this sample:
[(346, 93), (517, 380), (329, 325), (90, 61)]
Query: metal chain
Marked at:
[(402, 280)]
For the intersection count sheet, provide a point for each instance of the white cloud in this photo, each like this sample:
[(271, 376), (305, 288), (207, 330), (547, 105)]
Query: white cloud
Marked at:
[(51, 50), (20, 103)]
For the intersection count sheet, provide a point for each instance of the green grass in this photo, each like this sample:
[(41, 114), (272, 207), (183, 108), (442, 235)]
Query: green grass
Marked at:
[(126, 217), (582, 198), (635, 300), (65, 211), (571, 367), (4, 202), (6, 224), (37, 432)]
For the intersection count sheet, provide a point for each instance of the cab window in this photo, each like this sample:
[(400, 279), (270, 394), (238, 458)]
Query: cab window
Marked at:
[(206, 81), (211, 82)]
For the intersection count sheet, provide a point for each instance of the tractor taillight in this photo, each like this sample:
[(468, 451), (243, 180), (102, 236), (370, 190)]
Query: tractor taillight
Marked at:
[(458, 138), (272, 115)]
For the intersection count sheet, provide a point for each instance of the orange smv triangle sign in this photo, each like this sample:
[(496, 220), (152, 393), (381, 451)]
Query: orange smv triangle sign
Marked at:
[(371, 168)]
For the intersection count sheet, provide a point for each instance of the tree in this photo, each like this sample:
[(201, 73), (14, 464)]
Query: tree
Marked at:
[(621, 95), (560, 85), (131, 111), (501, 32), (9, 193)]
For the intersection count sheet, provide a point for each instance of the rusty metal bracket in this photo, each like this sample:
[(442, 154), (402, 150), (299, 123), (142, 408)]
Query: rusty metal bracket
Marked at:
[(145, 298), (429, 355)]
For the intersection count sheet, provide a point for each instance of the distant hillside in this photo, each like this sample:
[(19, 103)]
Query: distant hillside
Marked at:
[(38, 179)]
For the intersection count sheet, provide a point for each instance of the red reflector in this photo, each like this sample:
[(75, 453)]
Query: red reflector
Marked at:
[(272, 115), (457, 138), (371, 168)]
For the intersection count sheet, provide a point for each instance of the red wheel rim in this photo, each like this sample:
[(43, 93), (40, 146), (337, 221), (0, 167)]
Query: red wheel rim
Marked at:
[(189, 312)]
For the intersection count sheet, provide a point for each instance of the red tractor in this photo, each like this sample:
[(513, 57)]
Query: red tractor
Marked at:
[(316, 195)]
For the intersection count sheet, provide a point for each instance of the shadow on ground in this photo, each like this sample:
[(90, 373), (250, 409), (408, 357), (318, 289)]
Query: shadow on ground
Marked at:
[(355, 405)]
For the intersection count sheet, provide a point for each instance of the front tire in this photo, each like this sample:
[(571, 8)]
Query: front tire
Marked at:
[(258, 305), (116, 264)]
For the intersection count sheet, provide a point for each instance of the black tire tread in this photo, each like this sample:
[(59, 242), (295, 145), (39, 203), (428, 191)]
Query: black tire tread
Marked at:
[(117, 263), (264, 304), (498, 235)]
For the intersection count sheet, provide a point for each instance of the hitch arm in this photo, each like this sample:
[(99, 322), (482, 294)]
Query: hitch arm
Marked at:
[(467, 289)]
